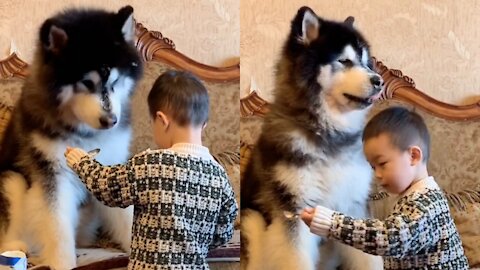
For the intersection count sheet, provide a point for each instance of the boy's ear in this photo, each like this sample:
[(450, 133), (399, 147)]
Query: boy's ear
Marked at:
[(416, 155), (164, 118)]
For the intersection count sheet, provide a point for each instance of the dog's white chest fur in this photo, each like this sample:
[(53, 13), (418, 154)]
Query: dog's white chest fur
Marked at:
[(328, 181), (114, 142)]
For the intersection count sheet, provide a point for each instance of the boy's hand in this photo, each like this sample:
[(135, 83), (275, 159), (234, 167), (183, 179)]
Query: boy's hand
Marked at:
[(323, 220), (74, 155), (307, 215)]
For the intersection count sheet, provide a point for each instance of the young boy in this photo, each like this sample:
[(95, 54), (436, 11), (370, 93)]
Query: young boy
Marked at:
[(419, 233), (184, 203)]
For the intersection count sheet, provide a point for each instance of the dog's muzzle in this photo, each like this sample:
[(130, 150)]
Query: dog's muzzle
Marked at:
[(108, 121)]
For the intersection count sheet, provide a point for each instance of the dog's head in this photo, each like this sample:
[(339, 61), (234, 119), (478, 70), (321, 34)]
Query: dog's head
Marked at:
[(89, 64), (326, 65)]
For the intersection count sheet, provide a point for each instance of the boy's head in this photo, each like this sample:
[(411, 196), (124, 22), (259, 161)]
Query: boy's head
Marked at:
[(177, 100), (181, 96), (397, 145)]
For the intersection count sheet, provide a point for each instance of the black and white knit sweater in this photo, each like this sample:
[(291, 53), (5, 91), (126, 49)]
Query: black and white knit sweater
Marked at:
[(183, 202), (418, 234)]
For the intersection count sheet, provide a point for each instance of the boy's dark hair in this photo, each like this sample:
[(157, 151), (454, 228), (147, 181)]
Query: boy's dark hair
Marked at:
[(404, 127), (182, 96)]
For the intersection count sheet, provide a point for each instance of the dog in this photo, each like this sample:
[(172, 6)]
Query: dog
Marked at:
[(309, 152), (77, 93)]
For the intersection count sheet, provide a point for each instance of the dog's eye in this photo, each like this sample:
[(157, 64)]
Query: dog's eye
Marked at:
[(346, 62), (88, 83)]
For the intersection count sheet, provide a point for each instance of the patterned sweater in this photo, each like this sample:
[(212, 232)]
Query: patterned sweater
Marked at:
[(183, 202), (418, 234)]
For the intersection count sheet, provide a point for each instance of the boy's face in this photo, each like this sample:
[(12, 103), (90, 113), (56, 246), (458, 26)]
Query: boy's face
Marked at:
[(394, 168)]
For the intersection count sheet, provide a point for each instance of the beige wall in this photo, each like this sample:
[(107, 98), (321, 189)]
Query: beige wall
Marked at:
[(205, 30), (435, 42)]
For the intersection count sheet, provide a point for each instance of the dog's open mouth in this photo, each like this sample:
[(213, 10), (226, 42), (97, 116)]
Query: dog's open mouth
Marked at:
[(366, 101)]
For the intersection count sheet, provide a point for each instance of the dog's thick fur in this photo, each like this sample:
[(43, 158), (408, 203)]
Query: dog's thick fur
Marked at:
[(77, 94), (310, 151)]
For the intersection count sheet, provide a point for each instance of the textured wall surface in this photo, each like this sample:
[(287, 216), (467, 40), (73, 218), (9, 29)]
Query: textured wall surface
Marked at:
[(434, 42), (205, 30)]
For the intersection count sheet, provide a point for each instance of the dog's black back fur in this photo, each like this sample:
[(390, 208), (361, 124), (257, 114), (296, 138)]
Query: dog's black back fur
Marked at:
[(95, 41)]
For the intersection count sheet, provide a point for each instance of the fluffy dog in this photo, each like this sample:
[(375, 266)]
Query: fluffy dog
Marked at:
[(77, 94), (310, 151)]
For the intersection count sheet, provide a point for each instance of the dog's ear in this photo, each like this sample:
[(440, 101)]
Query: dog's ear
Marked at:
[(349, 21), (53, 37), (306, 25), (125, 16)]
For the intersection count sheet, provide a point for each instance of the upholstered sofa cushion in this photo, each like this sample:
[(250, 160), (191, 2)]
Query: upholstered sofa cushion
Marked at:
[(10, 90), (250, 130), (467, 220)]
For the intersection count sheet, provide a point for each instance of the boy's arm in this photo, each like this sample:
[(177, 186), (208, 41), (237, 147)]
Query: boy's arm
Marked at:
[(112, 185), (407, 230), (135, 183), (226, 217)]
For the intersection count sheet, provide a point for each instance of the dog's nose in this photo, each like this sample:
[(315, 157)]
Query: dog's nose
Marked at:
[(376, 80), (108, 121)]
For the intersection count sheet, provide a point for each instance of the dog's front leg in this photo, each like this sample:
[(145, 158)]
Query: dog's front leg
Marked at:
[(14, 188), (290, 246), (54, 215), (117, 222), (354, 259)]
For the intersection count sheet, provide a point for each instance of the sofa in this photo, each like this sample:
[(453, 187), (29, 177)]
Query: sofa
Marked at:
[(221, 134), (455, 150)]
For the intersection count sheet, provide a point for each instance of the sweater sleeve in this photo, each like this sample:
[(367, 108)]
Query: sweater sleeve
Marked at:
[(114, 186), (136, 183), (226, 218), (406, 231), (321, 221)]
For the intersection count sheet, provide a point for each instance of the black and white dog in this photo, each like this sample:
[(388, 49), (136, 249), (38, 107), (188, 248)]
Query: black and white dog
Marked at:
[(77, 94), (310, 150)]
